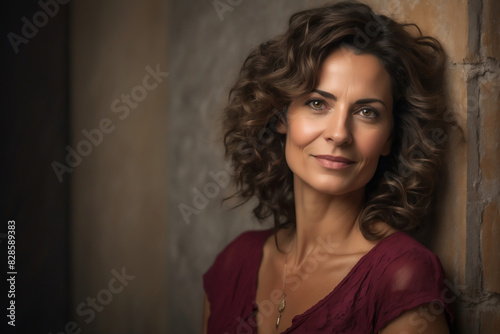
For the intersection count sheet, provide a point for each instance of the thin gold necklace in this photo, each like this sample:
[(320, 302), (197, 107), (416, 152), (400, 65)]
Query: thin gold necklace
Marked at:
[(282, 304)]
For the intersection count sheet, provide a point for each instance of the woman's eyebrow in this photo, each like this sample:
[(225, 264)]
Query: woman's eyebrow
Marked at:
[(325, 94), (370, 101), (361, 101)]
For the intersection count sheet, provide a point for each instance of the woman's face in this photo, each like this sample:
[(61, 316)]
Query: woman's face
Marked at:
[(336, 134)]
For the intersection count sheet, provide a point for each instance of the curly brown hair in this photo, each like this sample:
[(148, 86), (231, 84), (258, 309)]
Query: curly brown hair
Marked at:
[(287, 67)]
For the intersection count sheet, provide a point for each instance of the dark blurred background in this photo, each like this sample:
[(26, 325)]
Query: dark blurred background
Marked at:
[(34, 127)]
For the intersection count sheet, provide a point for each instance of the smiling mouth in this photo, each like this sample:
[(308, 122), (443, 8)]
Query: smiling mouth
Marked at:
[(332, 162)]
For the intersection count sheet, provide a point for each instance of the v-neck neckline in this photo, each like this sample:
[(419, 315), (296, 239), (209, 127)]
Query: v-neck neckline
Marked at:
[(329, 295)]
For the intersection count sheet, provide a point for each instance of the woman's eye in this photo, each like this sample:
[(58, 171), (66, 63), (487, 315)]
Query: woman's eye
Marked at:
[(316, 104), (368, 113)]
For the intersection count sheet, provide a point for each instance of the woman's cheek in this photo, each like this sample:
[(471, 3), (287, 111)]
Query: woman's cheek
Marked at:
[(303, 131), (371, 143)]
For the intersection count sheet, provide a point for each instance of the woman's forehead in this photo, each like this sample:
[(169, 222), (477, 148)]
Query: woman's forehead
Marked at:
[(344, 72)]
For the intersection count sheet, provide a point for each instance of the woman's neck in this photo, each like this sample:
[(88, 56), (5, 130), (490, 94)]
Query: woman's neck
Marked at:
[(324, 220)]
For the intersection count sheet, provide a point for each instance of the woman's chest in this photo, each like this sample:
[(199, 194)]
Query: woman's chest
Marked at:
[(305, 288)]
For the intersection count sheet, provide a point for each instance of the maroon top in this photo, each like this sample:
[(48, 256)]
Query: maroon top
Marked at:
[(397, 274)]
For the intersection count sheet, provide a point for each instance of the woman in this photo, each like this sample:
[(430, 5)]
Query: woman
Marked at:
[(335, 128)]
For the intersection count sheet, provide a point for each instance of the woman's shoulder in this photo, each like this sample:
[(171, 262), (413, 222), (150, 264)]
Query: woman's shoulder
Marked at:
[(400, 248), (404, 269), (399, 257), (235, 268), (244, 250), (250, 239), (406, 275), (248, 243)]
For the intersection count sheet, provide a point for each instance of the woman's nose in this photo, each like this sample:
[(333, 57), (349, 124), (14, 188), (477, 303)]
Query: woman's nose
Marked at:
[(338, 127)]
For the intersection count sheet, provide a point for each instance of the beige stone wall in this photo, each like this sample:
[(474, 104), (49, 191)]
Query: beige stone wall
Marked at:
[(119, 188)]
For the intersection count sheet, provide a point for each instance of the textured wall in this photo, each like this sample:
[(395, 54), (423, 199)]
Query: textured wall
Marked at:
[(206, 50), (118, 53), (485, 82)]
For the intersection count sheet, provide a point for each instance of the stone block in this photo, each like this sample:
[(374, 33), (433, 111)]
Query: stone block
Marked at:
[(490, 247), (490, 321), (490, 38), (490, 144), (490, 171)]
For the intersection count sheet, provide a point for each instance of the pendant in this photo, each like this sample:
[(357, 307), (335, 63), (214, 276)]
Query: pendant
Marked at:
[(281, 307), (282, 304)]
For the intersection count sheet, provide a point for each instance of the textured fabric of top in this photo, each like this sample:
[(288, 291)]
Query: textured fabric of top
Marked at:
[(396, 275)]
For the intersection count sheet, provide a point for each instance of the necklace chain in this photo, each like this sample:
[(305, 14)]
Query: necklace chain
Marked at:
[(282, 304)]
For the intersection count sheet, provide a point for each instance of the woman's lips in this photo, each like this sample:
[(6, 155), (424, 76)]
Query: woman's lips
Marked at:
[(332, 162)]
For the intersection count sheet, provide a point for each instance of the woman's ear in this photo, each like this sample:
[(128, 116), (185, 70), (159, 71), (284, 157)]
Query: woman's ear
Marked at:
[(281, 121), (281, 126), (387, 148)]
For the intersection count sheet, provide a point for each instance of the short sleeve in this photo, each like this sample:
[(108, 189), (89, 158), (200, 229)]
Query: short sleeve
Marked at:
[(414, 278), (230, 282)]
